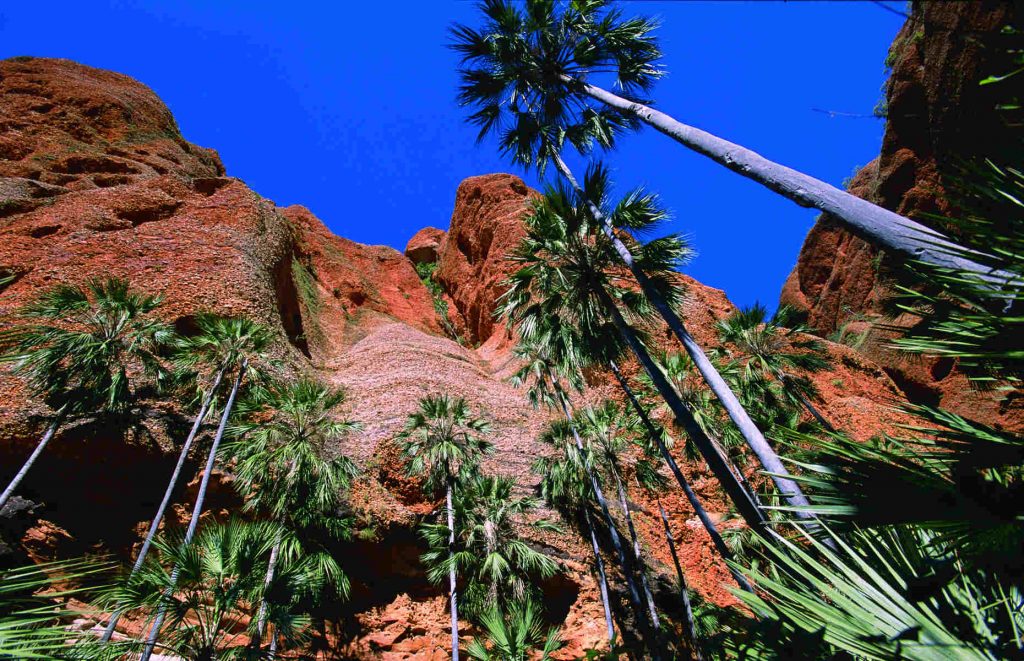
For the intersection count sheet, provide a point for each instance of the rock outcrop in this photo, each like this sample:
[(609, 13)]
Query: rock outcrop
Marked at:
[(95, 180), (937, 117)]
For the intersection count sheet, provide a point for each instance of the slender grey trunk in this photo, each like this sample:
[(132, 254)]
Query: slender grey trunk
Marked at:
[(47, 436), (881, 227), (601, 577), (753, 436), (595, 485), (695, 503), (197, 510), (745, 505), (261, 618), (641, 567), (155, 523), (684, 593), (272, 652), (451, 573)]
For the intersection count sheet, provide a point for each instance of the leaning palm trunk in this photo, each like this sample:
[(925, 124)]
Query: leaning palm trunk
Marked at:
[(155, 523), (197, 510), (595, 485), (601, 577), (451, 572), (47, 437), (261, 617), (747, 508), (887, 230), (684, 593), (753, 436), (705, 519), (641, 569)]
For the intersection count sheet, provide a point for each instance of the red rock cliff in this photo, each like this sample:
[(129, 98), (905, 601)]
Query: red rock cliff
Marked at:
[(96, 180), (937, 116)]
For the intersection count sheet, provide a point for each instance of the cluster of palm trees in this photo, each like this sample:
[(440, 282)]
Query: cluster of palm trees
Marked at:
[(478, 541), (100, 348), (838, 576)]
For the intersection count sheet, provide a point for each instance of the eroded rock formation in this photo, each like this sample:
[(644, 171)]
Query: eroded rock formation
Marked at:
[(937, 118), (96, 180)]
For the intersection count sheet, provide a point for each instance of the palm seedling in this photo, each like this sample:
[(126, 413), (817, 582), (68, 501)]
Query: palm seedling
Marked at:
[(566, 273), (500, 565), (443, 442), (231, 344), (533, 75), (518, 635), (772, 351), (84, 349), (288, 471)]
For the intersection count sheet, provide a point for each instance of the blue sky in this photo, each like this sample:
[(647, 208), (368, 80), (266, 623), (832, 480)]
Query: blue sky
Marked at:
[(348, 107)]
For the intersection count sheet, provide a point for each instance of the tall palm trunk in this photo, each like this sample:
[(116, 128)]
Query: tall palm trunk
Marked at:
[(753, 436), (47, 437), (641, 568), (601, 577), (451, 572), (261, 618), (684, 593), (881, 227), (705, 519), (595, 485), (155, 523), (747, 508), (197, 510)]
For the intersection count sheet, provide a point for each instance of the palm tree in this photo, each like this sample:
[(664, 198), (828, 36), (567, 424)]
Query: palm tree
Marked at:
[(81, 349), (208, 382), (551, 346), (500, 564), (773, 351), (567, 273), (656, 441), (610, 430), (528, 73), (515, 636), (283, 466), (206, 585), (443, 441), (566, 487), (234, 343)]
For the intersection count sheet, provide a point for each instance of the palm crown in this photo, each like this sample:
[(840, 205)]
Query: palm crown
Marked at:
[(284, 447), (523, 70), (567, 267), (443, 440), (82, 346)]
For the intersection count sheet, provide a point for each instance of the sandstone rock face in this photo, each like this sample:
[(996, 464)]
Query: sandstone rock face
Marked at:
[(95, 180), (486, 227), (425, 245), (937, 114)]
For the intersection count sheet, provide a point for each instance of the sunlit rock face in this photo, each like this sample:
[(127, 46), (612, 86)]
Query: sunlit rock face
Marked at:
[(937, 117), (96, 181)]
